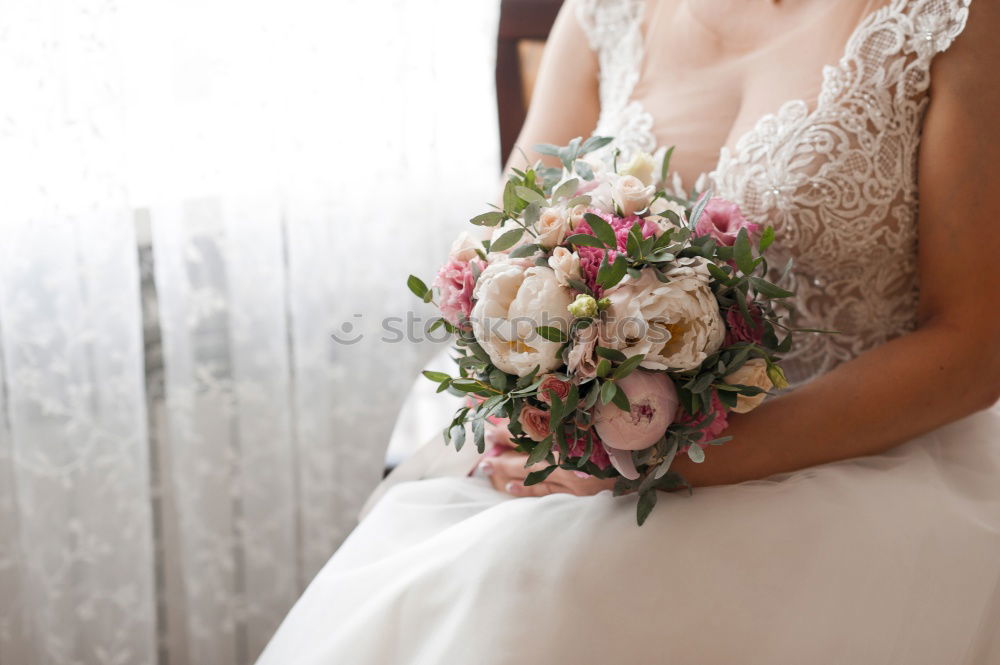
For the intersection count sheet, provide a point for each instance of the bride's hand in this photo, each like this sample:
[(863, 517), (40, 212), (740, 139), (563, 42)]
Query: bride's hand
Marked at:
[(506, 471)]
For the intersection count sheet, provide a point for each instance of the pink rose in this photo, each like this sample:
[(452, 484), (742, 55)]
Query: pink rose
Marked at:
[(456, 283), (552, 386), (738, 329), (581, 362), (717, 419), (578, 445), (723, 220), (534, 422), (654, 402)]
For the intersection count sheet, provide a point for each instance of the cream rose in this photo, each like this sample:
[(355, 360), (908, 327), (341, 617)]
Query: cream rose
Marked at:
[(552, 227), (631, 194), (642, 167), (565, 264), (511, 302), (676, 325), (464, 247), (752, 373)]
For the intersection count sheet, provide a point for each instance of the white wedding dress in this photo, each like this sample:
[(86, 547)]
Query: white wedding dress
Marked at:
[(893, 558)]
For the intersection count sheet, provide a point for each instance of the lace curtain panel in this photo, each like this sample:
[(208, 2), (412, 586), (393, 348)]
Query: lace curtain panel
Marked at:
[(195, 195)]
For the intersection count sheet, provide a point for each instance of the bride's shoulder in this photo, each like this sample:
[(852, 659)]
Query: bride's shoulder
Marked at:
[(968, 62)]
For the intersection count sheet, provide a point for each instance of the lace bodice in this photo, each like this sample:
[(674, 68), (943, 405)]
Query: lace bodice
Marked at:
[(838, 182)]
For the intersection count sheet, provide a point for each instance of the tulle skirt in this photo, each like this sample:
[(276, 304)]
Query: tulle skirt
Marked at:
[(893, 558)]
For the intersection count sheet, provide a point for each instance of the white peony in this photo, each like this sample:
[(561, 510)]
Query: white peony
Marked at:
[(552, 227), (631, 194), (751, 373), (464, 247), (660, 206), (565, 264), (512, 301), (675, 324)]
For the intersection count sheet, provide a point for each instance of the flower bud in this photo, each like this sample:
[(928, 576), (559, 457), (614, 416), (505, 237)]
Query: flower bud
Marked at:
[(584, 307)]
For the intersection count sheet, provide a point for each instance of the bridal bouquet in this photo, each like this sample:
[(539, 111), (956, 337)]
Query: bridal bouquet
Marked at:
[(613, 320)]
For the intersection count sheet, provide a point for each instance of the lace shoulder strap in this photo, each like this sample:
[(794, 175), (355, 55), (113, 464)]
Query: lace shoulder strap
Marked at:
[(895, 46), (614, 30)]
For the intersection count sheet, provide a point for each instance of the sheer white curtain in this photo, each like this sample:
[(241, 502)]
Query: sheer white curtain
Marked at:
[(195, 196)]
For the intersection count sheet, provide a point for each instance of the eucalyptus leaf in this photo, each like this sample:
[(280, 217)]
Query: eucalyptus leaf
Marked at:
[(540, 451), (488, 218), (566, 190), (628, 366), (524, 251), (417, 285), (551, 334), (647, 501), (696, 454), (436, 377), (602, 230), (584, 240), (620, 399), (507, 240)]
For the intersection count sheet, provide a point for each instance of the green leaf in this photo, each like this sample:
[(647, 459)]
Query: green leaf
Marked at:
[(665, 168), (583, 169), (479, 434), (701, 383), (699, 208), (547, 149), (742, 253), (584, 240), (525, 250), (769, 290), (488, 218), (551, 334), (417, 286), (511, 203), (609, 276), (603, 367), (579, 286), (628, 366), (566, 190), (620, 398), (696, 454), (766, 239), (608, 391), (436, 377), (602, 230), (611, 354), (536, 477), (540, 451), (458, 436), (507, 240), (594, 143), (647, 501), (529, 195)]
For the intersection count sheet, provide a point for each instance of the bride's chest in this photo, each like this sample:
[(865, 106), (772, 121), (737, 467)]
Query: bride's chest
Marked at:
[(713, 68)]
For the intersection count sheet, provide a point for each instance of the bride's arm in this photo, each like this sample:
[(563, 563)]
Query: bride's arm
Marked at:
[(950, 366)]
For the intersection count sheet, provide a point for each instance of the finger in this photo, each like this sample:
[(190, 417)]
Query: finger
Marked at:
[(519, 489)]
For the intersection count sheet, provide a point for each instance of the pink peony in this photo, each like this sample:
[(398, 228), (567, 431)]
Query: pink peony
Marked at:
[(723, 220), (534, 422), (717, 418), (578, 445), (654, 402), (739, 330), (591, 257), (552, 386), (456, 283)]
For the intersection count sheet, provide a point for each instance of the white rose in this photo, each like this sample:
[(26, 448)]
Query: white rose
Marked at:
[(641, 166), (676, 325), (512, 301), (464, 247), (552, 227), (575, 216), (565, 264), (631, 194), (752, 373)]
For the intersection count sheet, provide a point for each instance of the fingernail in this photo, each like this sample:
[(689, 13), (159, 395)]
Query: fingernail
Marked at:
[(513, 487), (486, 468)]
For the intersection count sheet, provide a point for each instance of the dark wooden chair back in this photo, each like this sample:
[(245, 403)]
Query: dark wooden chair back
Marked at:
[(524, 26)]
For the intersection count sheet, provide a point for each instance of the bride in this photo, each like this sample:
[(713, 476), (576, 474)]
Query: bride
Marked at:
[(853, 519)]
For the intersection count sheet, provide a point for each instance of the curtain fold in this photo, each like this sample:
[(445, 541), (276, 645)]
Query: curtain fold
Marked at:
[(208, 212)]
